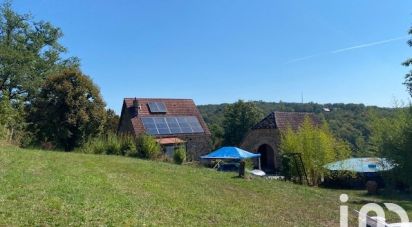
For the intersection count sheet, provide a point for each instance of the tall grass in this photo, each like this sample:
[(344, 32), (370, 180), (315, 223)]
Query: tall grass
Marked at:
[(127, 145), (110, 144), (144, 146)]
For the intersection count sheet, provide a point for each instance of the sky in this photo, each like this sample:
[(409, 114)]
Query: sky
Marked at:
[(219, 51)]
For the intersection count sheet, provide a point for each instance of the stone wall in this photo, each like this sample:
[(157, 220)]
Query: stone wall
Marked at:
[(197, 145), (258, 137)]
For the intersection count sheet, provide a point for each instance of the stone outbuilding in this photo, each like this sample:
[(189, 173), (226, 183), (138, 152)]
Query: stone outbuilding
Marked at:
[(265, 137), (173, 122)]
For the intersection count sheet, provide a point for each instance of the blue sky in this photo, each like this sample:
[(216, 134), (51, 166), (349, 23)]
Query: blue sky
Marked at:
[(222, 50)]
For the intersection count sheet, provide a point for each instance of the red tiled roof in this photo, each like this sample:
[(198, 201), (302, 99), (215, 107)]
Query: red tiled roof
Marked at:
[(283, 120), (175, 107)]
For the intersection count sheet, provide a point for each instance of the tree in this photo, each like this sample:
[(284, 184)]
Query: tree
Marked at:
[(217, 135), (239, 118), (11, 120), (112, 122), (392, 138), (6, 117), (407, 63), (317, 145), (29, 51), (68, 110)]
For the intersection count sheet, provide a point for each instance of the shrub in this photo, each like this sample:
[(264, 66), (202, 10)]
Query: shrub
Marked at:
[(128, 146), (6, 115), (148, 147), (113, 145), (12, 125), (132, 153), (93, 146), (179, 155), (3, 132), (98, 146), (25, 138)]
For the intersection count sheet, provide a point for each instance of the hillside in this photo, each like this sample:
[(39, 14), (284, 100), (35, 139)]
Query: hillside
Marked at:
[(350, 122), (56, 188)]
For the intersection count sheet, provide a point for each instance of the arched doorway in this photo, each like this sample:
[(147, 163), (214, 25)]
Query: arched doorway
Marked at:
[(267, 158)]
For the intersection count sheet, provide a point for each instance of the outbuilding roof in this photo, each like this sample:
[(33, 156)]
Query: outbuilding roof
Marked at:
[(283, 120)]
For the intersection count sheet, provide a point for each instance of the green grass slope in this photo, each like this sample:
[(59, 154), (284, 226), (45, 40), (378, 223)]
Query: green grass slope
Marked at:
[(53, 188)]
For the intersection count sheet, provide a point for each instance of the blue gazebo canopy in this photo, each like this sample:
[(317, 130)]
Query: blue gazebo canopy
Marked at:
[(361, 165), (230, 153)]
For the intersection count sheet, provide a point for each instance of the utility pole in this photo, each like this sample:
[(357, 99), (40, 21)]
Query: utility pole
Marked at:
[(301, 97)]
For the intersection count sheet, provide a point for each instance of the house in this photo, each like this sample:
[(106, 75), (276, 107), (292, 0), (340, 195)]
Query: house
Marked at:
[(265, 136), (173, 122)]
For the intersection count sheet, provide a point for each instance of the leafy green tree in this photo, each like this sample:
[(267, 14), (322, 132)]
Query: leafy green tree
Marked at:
[(392, 138), (11, 120), (317, 145), (68, 110), (112, 122), (29, 51), (217, 135), (6, 116), (408, 76), (239, 118)]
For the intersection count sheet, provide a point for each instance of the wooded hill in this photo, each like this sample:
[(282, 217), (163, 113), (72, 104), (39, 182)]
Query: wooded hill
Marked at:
[(350, 122)]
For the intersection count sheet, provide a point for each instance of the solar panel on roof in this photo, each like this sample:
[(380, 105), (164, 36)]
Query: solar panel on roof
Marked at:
[(197, 129), (161, 106), (171, 125), (157, 107), (153, 107)]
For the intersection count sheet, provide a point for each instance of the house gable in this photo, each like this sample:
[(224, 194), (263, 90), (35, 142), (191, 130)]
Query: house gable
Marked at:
[(135, 109), (125, 124)]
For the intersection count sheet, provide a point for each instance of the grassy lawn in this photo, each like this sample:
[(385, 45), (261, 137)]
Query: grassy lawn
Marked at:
[(56, 188)]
